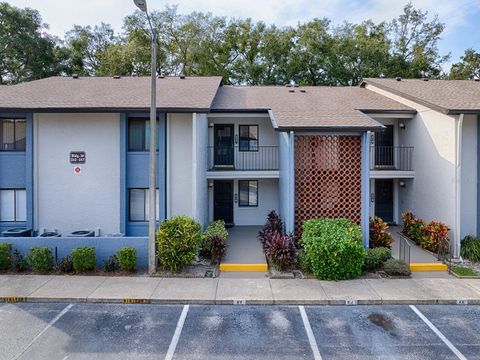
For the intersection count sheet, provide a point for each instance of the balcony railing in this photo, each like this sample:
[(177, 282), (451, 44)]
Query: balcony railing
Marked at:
[(232, 158), (391, 158)]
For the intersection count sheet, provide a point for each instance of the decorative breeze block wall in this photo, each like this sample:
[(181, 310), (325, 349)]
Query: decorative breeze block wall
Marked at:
[(327, 178)]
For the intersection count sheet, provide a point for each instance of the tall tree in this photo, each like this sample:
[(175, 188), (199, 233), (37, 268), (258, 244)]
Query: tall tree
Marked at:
[(359, 51), (87, 47), (27, 52), (468, 67), (415, 44)]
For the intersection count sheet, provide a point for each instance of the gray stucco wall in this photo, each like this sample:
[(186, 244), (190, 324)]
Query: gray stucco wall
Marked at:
[(67, 201)]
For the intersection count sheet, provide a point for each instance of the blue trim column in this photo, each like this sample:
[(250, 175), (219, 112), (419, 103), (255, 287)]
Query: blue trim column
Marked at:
[(364, 222), (291, 183), (29, 170), (123, 174), (478, 175)]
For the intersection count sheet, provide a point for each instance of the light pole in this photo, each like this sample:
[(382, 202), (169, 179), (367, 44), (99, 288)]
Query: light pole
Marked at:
[(152, 184)]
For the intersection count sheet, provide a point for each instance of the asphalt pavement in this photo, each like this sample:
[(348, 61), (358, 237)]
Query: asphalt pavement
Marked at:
[(148, 331)]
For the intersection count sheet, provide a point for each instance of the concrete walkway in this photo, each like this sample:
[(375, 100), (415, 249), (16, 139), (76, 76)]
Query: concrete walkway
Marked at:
[(243, 246), (46, 288)]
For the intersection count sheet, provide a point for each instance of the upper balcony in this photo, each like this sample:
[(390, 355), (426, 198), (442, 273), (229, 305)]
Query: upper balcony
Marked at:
[(235, 158), (391, 161)]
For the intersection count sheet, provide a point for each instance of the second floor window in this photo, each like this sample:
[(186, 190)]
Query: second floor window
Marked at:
[(139, 134), (13, 134), (248, 137), (13, 205)]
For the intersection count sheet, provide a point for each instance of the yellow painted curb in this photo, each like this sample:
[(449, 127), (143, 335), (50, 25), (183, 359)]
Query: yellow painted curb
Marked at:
[(13, 299), (244, 267), (418, 267)]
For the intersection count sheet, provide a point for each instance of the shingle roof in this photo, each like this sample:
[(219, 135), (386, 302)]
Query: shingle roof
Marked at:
[(109, 94), (448, 96), (309, 107)]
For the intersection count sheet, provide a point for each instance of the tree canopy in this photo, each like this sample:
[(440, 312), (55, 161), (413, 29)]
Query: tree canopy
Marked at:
[(242, 51)]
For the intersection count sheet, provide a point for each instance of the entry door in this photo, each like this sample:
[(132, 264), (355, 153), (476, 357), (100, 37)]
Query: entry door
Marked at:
[(384, 147), (384, 199), (223, 201), (223, 145)]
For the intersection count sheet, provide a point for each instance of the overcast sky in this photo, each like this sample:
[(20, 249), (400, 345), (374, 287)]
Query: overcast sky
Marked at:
[(462, 17)]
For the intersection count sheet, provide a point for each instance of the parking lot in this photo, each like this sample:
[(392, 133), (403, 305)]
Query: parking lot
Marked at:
[(117, 331)]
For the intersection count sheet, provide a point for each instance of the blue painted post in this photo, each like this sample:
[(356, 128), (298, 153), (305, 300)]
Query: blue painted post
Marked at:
[(291, 183), (123, 173), (365, 188), (29, 170), (478, 175)]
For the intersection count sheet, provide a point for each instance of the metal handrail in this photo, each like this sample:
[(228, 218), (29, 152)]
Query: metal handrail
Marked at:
[(243, 158), (404, 249), (391, 158)]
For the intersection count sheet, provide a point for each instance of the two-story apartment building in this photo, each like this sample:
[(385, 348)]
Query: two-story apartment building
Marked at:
[(74, 154)]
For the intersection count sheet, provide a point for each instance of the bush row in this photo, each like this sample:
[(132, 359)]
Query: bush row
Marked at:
[(432, 236), (81, 259), (330, 249)]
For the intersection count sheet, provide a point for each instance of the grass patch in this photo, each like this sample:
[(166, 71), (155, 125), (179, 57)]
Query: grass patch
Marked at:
[(464, 271)]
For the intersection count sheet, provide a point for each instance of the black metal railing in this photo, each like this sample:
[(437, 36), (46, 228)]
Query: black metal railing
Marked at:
[(236, 158), (391, 158)]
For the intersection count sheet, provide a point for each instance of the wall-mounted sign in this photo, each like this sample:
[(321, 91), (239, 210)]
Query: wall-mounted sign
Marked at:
[(78, 157), (77, 170)]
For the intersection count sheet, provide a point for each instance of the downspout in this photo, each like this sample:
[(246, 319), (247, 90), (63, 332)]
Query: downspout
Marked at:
[(458, 187)]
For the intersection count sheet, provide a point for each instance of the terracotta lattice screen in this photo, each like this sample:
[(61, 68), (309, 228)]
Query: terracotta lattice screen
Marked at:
[(327, 178)]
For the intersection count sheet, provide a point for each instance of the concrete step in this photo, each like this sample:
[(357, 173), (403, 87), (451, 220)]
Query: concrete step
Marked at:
[(244, 267), (420, 267)]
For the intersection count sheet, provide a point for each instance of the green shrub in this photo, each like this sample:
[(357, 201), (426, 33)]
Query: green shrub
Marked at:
[(302, 262), (66, 264), (5, 256), (111, 264), (83, 259), (379, 237), (127, 258), (213, 245), (281, 251), (395, 267), (470, 248), (40, 259), (216, 228), (19, 262), (333, 248), (177, 241), (376, 257)]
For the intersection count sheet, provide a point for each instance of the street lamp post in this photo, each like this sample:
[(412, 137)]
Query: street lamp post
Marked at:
[(152, 184)]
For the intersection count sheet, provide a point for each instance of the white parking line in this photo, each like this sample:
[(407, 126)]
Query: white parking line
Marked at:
[(178, 332), (311, 337), (50, 324), (438, 333)]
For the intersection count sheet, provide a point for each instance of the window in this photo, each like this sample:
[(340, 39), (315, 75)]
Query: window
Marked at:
[(139, 204), (12, 134), (248, 137), (13, 205), (139, 135), (248, 190)]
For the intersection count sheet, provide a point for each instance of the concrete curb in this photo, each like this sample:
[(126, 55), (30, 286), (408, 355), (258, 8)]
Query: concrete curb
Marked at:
[(320, 302)]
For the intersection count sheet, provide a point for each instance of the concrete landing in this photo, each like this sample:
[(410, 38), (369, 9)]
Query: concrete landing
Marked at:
[(244, 251)]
